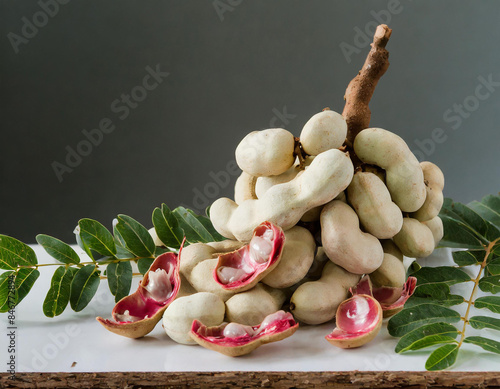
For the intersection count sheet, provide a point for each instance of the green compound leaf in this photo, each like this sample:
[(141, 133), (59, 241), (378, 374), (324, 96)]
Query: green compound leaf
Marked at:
[(458, 235), (440, 275), (479, 226), (414, 340), (83, 287), (442, 358), (58, 295), (490, 284), (96, 237), (119, 279), (434, 291), (135, 236), (8, 292), (487, 344), (470, 257), (58, 249), (14, 253), (489, 302), (196, 230), (493, 267), (167, 227), (207, 223), (144, 264), (450, 300), (480, 322), (25, 279), (410, 318), (488, 208)]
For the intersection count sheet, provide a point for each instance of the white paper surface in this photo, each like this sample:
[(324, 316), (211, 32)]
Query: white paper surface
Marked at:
[(54, 344)]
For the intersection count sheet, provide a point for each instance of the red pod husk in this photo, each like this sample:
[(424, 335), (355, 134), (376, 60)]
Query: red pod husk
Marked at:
[(137, 314), (233, 339), (242, 269)]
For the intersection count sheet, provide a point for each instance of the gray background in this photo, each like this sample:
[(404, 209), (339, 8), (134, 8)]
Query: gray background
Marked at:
[(228, 75)]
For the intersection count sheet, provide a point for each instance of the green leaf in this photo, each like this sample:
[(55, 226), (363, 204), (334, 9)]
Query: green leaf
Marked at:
[(442, 358), (8, 292), (83, 287), (493, 267), (119, 279), (479, 226), (194, 230), (144, 264), (14, 253), (25, 279), (433, 276), (480, 322), (97, 237), (413, 268), (410, 318), (487, 344), (207, 223), (488, 208), (450, 300), (167, 227), (121, 251), (135, 236), (412, 340), (490, 284), (58, 249), (470, 257), (58, 295), (458, 235), (435, 291), (489, 302)]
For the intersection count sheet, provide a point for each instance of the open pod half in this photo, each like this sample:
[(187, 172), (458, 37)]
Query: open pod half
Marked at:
[(240, 270), (234, 340), (358, 319), (136, 315)]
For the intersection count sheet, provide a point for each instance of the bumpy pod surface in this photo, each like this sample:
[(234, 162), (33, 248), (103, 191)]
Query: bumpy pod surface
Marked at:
[(404, 176), (372, 202), (240, 270), (244, 189), (437, 229), (434, 185), (315, 302), (252, 306), (359, 320), (234, 339), (266, 153), (284, 204), (136, 315), (324, 131), (345, 244), (392, 272), (179, 316), (297, 257), (415, 240)]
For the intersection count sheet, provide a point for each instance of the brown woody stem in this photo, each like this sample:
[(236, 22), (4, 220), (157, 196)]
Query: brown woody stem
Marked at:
[(360, 89)]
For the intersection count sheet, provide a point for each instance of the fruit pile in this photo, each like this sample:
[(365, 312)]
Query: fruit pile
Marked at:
[(314, 219)]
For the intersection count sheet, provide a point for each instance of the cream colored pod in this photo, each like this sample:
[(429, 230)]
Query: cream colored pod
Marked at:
[(266, 153), (345, 244), (316, 302), (415, 240), (392, 272), (436, 227), (284, 204), (372, 202), (324, 131), (404, 176), (178, 317), (434, 185), (251, 307), (296, 259), (244, 189)]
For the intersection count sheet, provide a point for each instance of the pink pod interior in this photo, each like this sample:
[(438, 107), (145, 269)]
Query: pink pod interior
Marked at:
[(407, 292), (358, 314), (242, 266), (364, 286), (387, 294), (271, 325), (164, 283)]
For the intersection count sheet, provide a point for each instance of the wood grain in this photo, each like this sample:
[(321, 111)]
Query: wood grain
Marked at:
[(352, 379)]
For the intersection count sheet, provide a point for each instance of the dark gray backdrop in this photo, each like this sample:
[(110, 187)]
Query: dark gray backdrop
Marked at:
[(234, 66)]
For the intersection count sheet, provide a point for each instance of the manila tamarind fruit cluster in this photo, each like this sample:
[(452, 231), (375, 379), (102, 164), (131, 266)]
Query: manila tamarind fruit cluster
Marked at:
[(317, 229)]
